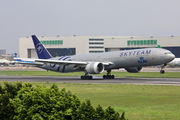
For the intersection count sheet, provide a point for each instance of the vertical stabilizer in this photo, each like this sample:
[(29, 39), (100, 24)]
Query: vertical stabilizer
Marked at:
[(41, 51), (15, 55)]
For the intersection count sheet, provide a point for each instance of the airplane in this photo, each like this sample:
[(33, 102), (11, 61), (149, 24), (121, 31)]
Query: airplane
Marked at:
[(4, 62), (175, 62), (95, 63)]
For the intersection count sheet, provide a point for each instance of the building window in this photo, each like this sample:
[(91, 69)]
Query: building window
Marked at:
[(96, 39), (96, 43), (142, 42), (52, 42), (95, 51), (98, 47)]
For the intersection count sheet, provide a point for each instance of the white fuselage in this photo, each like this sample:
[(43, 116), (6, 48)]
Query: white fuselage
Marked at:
[(118, 59)]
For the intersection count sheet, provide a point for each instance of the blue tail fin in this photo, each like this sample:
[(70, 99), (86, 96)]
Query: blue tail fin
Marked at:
[(41, 51), (15, 55)]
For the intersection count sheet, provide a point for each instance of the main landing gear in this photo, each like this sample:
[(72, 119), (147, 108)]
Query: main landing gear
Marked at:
[(89, 77), (86, 77), (162, 71), (108, 76)]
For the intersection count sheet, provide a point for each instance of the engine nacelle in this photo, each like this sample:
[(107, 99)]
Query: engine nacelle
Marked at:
[(133, 69), (94, 68)]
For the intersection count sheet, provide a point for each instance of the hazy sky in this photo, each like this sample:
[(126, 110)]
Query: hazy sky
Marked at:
[(22, 18)]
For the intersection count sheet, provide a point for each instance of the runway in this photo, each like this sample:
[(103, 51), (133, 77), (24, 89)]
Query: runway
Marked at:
[(96, 80)]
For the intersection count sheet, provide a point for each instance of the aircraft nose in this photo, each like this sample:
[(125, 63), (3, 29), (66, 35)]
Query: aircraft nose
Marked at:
[(171, 57)]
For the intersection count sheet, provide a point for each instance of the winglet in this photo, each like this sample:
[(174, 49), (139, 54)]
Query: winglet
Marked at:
[(41, 51)]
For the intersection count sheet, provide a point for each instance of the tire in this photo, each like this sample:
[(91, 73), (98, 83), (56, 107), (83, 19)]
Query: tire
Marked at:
[(162, 71)]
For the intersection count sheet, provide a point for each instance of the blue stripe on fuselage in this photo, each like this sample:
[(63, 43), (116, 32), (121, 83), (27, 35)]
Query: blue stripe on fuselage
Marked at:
[(66, 58), (53, 65), (58, 68), (65, 65)]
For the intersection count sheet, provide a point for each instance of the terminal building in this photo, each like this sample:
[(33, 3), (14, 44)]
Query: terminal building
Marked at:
[(75, 45)]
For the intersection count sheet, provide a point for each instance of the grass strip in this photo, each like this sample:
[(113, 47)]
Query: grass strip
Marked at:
[(140, 102)]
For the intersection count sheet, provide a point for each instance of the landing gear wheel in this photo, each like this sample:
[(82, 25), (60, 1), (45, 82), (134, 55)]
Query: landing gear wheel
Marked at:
[(112, 76), (89, 77), (82, 77), (86, 77), (162, 71), (108, 76)]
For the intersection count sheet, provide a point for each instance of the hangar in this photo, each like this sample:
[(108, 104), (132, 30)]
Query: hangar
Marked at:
[(75, 45)]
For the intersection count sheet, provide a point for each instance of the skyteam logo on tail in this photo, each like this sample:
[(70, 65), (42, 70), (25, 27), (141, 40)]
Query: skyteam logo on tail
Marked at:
[(39, 48), (141, 60)]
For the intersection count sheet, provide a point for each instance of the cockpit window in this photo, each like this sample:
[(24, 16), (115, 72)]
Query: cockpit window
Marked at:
[(167, 53)]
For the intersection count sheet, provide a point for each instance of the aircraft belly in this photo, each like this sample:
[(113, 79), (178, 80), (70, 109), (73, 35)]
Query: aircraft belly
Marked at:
[(59, 68)]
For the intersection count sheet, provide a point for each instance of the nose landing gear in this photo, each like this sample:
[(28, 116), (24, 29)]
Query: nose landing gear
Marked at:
[(162, 71)]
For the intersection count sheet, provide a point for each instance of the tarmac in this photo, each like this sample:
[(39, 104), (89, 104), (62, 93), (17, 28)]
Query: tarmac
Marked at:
[(95, 80)]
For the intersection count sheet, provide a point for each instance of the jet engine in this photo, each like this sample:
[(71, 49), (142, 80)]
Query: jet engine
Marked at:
[(94, 68), (133, 69)]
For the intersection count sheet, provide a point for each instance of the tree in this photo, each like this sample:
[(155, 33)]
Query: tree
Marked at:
[(50, 103), (45, 103), (8, 91)]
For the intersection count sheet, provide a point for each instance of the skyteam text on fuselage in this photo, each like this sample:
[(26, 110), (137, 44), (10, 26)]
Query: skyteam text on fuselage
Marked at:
[(95, 63), (136, 52)]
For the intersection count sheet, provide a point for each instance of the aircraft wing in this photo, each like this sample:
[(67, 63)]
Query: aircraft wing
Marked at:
[(31, 63), (41, 62), (27, 61), (78, 63)]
